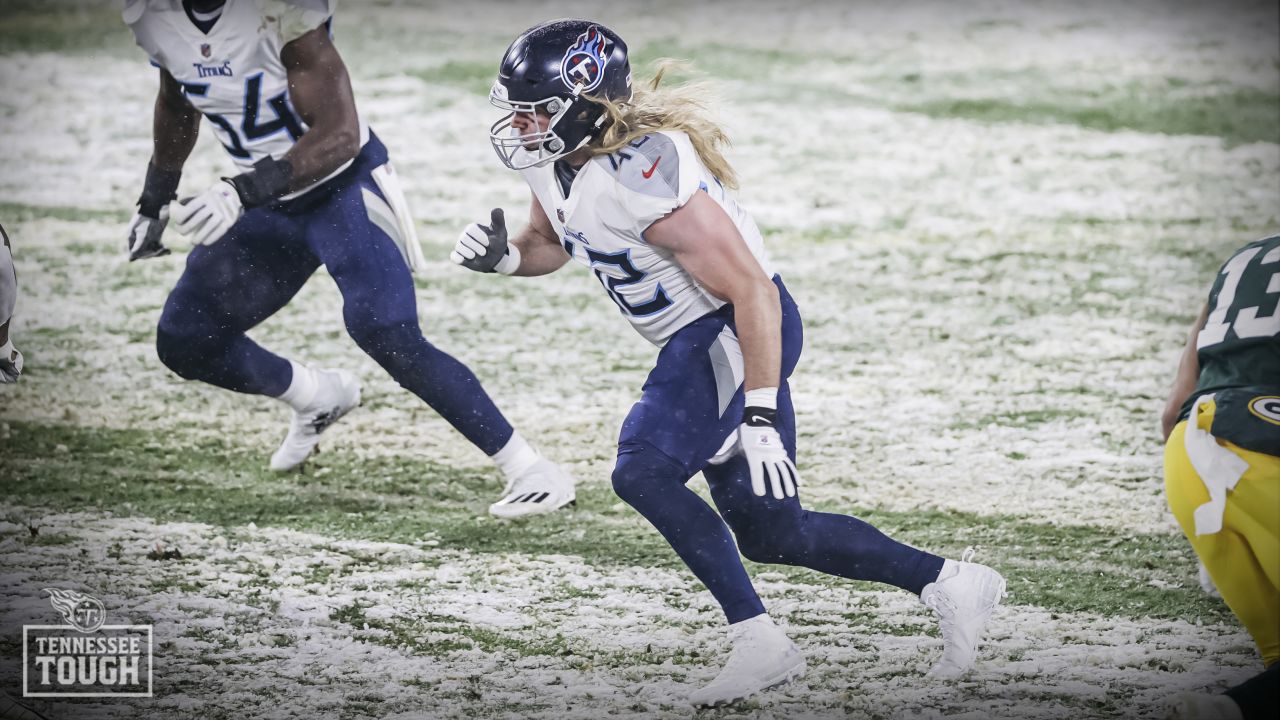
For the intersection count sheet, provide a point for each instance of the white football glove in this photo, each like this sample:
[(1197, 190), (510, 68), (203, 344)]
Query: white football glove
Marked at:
[(761, 446), (10, 363), (485, 249), (209, 215), (144, 235)]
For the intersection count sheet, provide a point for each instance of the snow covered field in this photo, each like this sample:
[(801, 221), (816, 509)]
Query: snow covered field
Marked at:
[(998, 220)]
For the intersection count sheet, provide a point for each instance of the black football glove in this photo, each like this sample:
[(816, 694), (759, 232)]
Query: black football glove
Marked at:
[(485, 248)]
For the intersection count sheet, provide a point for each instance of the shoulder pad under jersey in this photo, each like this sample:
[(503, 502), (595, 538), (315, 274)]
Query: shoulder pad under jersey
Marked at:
[(649, 165), (296, 18)]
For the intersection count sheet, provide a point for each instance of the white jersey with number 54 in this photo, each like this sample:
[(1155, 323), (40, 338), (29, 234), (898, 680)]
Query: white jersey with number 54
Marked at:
[(611, 203), (233, 74)]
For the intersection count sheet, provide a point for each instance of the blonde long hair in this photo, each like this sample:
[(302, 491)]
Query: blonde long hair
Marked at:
[(676, 107)]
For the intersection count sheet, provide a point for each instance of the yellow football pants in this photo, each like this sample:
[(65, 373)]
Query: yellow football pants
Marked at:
[(1243, 558)]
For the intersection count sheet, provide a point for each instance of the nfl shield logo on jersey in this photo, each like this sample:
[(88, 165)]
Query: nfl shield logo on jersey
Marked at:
[(205, 50), (584, 61)]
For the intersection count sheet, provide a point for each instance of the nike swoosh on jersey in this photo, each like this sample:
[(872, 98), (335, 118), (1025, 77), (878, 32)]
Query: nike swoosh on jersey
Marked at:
[(649, 173)]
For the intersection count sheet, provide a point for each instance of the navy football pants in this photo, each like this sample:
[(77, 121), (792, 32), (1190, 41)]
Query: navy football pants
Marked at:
[(690, 404), (261, 263)]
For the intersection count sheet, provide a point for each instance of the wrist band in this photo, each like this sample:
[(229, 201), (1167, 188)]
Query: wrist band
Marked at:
[(510, 262), (766, 397), (160, 187), (268, 180)]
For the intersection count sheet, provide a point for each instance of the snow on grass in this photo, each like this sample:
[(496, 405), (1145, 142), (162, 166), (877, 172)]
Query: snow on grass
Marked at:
[(997, 218), (308, 624), (993, 311)]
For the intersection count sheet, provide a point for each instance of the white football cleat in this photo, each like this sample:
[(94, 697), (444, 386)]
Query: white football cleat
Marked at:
[(762, 657), (337, 392), (545, 487), (964, 596)]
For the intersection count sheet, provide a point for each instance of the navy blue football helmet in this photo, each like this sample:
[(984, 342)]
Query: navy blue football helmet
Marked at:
[(555, 69)]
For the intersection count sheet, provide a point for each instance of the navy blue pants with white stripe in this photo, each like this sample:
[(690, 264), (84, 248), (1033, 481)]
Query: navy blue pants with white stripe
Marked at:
[(690, 404), (262, 262)]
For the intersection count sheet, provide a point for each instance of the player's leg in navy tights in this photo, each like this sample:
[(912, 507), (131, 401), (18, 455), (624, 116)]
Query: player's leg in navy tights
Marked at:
[(689, 405), (381, 314), (227, 288), (654, 485), (781, 531)]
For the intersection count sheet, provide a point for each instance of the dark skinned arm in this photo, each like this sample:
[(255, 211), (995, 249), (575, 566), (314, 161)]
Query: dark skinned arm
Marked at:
[(174, 127), (175, 124), (320, 91), (1184, 383)]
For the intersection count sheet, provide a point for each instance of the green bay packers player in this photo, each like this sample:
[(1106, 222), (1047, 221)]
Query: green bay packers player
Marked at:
[(1222, 462)]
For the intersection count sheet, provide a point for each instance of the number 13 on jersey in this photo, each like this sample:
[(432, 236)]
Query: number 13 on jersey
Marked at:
[(1253, 313)]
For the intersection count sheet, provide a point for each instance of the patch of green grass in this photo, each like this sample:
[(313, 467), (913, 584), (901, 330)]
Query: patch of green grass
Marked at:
[(1021, 418), (1241, 115), (18, 212), (35, 26), (715, 59), (212, 480), (434, 635), (46, 539), (476, 77)]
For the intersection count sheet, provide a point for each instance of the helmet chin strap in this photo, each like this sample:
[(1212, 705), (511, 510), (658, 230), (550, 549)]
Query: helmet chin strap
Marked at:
[(555, 144)]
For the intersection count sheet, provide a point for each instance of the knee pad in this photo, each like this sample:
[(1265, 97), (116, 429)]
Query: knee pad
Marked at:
[(768, 536), (644, 475), (180, 352), (381, 339)]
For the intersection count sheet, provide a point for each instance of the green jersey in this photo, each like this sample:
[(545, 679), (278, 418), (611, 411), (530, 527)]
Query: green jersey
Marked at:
[(1239, 349)]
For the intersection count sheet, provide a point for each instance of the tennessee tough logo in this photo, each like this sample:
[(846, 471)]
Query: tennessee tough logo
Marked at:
[(82, 612), (584, 61)]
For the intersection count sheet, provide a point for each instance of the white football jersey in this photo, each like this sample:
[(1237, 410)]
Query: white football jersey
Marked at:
[(612, 201), (233, 74)]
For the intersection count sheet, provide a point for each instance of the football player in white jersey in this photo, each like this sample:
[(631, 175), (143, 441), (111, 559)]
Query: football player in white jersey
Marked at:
[(632, 186), (315, 187), (10, 358)]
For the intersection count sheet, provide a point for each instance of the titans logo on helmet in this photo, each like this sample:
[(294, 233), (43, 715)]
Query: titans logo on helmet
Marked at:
[(584, 61)]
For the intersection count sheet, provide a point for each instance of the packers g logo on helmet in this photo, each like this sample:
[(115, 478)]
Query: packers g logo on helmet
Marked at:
[(1266, 407)]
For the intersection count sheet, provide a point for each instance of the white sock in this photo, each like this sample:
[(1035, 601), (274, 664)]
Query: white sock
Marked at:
[(515, 457), (949, 568), (761, 620), (302, 389)]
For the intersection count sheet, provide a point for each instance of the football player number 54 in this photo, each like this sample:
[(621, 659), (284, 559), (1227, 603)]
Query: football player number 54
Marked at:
[(250, 128)]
